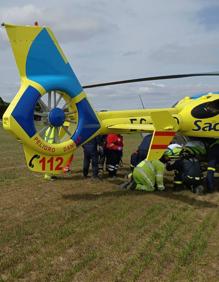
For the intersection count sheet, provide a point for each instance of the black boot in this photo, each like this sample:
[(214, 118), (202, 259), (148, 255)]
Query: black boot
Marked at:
[(200, 190), (178, 187)]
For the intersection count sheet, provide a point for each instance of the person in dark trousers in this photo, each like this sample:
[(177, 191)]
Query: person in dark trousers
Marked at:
[(101, 152), (144, 147), (187, 172), (90, 156), (114, 148), (213, 160), (133, 160), (142, 151)]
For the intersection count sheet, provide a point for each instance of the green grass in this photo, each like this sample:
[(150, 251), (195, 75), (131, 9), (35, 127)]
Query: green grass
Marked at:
[(78, 230)]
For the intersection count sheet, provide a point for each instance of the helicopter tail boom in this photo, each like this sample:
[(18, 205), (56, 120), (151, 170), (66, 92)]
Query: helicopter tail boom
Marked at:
[(44, 70)]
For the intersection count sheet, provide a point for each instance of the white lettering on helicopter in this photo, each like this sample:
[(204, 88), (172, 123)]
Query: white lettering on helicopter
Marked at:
[(39, 143), (207, 126)]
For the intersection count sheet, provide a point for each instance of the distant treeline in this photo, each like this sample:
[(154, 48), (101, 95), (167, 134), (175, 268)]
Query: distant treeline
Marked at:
[(3, 107)]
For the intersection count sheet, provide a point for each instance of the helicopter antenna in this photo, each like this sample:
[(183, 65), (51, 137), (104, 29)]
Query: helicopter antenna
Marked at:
[(142, 103)]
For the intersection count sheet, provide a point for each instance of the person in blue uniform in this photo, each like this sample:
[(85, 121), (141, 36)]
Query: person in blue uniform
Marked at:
[(213, 160), (101, 153), (187, 172), (141, 152), (90, 157)]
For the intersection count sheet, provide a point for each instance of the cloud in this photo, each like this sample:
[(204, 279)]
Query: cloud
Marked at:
[(76, 28), (116, 40), (191, 54), (21, 14), (132, 53), (208, 16)]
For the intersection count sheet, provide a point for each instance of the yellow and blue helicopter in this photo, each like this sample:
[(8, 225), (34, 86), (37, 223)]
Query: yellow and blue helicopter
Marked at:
[(48, 80)]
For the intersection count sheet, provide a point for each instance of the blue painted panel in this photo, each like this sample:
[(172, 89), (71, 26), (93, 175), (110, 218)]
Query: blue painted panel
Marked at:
[(200, 95), (56, 117), (24, 110), (88, 123), (46, 66)]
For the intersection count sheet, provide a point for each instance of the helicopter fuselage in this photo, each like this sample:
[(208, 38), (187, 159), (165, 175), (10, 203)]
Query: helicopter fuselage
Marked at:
[(194, 116), (199, 116)]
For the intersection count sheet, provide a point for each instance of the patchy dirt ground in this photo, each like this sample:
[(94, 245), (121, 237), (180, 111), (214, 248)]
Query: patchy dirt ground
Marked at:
[(80, 230)]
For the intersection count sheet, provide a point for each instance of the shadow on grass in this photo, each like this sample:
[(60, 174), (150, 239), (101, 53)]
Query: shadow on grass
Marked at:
[(71, 177), (199, 203), (118, 180), (187, 199), (98, 195)]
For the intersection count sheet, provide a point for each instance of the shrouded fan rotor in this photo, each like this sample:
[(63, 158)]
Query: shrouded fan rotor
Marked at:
[(55, 115)]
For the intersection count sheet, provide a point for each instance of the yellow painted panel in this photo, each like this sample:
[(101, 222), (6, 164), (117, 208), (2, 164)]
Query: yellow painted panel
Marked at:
[(39, 162)]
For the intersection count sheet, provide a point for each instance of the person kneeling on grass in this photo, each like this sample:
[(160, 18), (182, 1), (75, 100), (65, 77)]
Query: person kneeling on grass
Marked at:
[(146, 176)]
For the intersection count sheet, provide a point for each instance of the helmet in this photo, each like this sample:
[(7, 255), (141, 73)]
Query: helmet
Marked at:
[(173, 151), (187, 152)]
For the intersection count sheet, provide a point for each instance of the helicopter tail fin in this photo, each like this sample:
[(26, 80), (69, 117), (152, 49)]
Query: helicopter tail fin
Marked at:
[(165, 129), (40, 59)]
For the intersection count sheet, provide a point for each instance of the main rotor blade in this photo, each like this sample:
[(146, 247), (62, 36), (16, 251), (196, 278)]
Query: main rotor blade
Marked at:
[(150, 78)]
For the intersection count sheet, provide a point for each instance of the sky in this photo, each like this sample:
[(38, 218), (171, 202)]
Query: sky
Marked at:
[(124, 39)]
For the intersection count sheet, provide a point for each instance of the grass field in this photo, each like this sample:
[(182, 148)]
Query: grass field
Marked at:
[(79, 230)]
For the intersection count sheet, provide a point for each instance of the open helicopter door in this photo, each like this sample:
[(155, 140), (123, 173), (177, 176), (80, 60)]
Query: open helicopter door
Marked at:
[(165, 127)]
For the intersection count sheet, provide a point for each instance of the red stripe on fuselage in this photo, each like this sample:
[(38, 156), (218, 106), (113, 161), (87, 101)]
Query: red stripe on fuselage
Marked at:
[(158, 146), (165, 133)]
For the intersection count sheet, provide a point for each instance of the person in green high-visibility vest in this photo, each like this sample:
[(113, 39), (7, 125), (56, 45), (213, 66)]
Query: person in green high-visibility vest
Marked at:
[(146, 176), (50, 138), (171, 155)]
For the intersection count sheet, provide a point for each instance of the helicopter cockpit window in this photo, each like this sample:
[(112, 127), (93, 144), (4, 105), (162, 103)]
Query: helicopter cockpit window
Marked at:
[(206, 110)]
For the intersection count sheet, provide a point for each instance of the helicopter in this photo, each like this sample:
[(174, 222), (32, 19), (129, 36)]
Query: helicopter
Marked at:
[(48, 80)]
